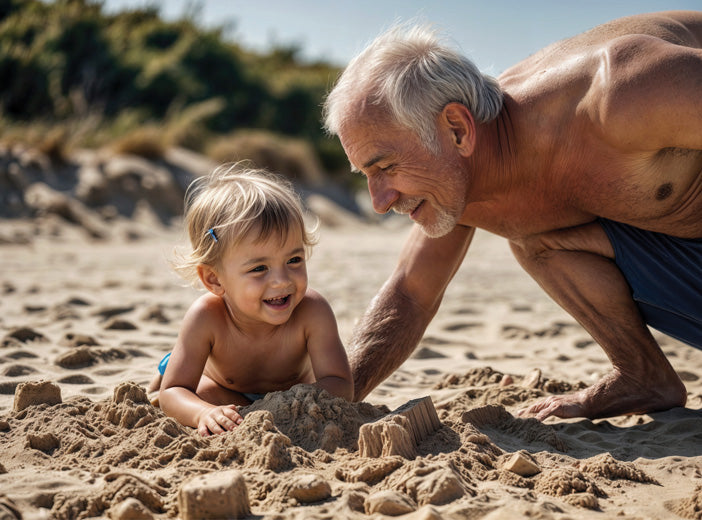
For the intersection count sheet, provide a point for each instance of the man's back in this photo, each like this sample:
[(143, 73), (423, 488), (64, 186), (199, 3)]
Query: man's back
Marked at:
[(611, 121), (678, 27)]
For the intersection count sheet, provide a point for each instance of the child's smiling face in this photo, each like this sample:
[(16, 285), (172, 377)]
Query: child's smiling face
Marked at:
[(263, 279)]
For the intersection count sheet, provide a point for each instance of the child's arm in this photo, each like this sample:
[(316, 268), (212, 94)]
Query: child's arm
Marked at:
[(326, 351), (178, 397)]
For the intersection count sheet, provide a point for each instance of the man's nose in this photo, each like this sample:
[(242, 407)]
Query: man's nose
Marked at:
[(382, 196)]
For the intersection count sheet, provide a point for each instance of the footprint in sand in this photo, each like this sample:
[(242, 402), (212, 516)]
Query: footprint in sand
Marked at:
[(584, 343), (8, 387), (119, 324), (21, 354), (71, 339), (427, 353), (464, 311), (461, 326), (95, 390), (109, 312), (78, 379), (515, 332), (18, 370)]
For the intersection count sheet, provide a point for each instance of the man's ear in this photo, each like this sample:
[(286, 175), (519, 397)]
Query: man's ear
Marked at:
[(459, 122), (208, 277)]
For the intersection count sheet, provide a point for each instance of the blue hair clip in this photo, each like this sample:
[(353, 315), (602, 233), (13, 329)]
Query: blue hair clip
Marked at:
[(212, 234)]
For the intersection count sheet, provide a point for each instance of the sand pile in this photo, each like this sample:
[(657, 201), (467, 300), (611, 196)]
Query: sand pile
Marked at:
[(124, 449)]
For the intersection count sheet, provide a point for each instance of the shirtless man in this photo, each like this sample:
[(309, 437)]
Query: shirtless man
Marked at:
[(586, 156)]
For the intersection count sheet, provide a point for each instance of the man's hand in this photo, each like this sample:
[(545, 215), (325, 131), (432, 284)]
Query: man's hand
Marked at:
[(218, 419)]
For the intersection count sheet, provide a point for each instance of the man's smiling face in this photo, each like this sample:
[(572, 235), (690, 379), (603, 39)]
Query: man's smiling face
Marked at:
[(402, 174)]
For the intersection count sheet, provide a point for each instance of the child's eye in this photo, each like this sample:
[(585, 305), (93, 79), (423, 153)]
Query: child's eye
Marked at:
[(258, 269), (295, 260)]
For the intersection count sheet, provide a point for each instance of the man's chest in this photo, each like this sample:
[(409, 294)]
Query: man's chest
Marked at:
[(659, 191)]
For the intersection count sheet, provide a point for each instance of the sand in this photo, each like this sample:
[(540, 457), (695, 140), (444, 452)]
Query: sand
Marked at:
[(83, 324)]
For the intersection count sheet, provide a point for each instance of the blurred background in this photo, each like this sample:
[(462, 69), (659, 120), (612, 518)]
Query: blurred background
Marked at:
[(221, 79)]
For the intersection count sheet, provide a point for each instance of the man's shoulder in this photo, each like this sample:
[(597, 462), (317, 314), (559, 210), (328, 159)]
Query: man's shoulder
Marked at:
[(609, 47)]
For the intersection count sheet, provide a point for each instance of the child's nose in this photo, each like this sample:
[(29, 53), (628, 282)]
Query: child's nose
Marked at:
[(280, 278)]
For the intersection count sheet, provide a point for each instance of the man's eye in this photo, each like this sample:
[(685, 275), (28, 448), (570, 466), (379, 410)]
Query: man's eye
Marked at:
[(295, 260)]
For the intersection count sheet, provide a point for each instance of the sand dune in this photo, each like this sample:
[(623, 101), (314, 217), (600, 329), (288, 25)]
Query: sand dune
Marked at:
[(91, 319)]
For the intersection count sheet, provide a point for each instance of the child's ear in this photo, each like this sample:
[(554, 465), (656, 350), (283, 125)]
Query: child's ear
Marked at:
[(208, 277)]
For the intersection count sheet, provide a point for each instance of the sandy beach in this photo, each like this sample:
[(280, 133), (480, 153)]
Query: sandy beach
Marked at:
[(83, 324)]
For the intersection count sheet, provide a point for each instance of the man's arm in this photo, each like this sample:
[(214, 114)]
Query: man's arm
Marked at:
[(399, 314)]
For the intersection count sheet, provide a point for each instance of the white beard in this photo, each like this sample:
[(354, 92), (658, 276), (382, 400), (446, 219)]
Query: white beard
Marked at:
[(443, 225)]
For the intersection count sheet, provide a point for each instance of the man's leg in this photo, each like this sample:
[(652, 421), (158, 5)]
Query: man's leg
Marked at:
[(576, 268)]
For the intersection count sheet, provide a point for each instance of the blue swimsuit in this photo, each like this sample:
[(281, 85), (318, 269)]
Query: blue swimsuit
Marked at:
[(665, 275)]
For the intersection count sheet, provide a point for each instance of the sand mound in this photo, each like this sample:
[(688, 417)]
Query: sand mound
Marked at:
[(292, 448)]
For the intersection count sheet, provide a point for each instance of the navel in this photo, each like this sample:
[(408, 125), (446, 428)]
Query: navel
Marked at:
[(664, 191)]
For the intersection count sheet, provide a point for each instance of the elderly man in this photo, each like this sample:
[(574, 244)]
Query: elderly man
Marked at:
[(586, 156)]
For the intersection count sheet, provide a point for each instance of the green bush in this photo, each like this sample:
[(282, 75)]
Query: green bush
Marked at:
[(67, 61)]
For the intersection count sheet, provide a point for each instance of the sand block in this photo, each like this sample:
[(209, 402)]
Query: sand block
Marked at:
[(401, 431), (422, 417), (33, 393), (521, 465), (221, 494), (389, 436)]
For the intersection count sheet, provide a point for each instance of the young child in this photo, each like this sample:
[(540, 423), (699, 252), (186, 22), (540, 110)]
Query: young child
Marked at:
[(259, 328)]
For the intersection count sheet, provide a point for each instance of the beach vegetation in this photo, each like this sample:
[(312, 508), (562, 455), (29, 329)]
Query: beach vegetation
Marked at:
[(75, 75)]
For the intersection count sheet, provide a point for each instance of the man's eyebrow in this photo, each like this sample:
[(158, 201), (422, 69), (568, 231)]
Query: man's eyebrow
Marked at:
[(374, 160), (369, 163)]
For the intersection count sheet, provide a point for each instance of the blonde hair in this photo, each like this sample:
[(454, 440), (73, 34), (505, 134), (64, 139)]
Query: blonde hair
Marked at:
[(224, 207)]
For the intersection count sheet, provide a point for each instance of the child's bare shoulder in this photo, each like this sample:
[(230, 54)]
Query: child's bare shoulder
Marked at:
[(314, 305), (207, 307)]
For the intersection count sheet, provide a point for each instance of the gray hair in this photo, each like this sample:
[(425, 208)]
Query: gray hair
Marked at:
[(413, 75)]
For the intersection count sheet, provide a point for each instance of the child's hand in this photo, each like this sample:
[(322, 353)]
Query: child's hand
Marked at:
[(218, 420)]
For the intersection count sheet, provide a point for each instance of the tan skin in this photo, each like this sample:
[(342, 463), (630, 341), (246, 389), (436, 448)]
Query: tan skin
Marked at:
[(259, 329), (605, 124)]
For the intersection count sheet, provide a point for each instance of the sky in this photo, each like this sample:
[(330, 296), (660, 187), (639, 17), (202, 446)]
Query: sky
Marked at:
[(495, 34)]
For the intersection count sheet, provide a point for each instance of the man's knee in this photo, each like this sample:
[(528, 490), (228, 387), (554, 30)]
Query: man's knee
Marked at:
[(589, 238), (530, 249)]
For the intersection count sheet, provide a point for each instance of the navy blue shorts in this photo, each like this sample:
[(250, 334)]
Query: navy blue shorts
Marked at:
[(665, 276)]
